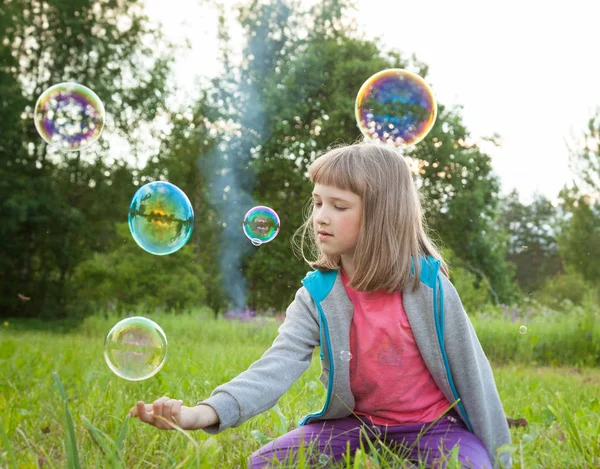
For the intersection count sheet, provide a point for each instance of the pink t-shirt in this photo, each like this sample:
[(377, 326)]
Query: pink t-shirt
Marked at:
[(389, 379)]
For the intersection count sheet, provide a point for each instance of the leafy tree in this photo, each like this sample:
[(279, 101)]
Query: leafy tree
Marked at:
[(302, 72), (193, 138), (59, 207), (532, 245), (585, 160), (579, 241)]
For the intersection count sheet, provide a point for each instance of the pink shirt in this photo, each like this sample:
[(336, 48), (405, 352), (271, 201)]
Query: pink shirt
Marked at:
[(389, 379)]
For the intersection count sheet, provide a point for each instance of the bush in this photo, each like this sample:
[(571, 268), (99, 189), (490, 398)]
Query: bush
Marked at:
[(130, 279), (569, 286), (473, 292)]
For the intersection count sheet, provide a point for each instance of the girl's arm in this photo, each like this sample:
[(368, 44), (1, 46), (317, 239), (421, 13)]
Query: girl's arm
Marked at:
[(259, 387)]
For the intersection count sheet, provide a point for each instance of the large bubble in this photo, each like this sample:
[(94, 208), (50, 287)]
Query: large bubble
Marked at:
[(395, 107), (69, 116), (135, 348), (161, 218), (261, 224)]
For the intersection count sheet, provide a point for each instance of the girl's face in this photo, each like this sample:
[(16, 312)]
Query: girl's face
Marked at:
[(337, 215)]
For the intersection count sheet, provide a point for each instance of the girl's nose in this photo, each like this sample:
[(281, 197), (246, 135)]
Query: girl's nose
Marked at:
[(322, 219)]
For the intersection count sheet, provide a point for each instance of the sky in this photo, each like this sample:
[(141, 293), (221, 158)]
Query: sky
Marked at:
[(525, 69)]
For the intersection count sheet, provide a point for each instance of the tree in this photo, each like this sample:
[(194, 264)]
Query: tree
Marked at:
[(579, 241), (304, 89), (57, 206), (194, 137), (585, 160), (580, 238), (532, 246)]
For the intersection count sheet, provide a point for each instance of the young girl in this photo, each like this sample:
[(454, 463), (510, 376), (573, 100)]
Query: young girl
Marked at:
[(396, 346)]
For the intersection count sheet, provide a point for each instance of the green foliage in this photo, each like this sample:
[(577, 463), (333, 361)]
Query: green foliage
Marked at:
[(531, 245), (569, 287), (585, 160), (245, 139), (182, 160), (569, 339), (127, 278), (59, 208), (579, 242), (296, 98), (474, 294)]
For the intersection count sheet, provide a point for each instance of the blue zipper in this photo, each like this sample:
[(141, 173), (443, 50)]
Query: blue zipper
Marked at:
[(439, 327), (323, 322)]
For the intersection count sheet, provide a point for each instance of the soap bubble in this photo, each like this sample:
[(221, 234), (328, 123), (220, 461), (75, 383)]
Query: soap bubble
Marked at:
[(69, 116), (323, 459), (345, 356), (135, 348), (523, 329), (261, 224), (395, 107), (161, 218)]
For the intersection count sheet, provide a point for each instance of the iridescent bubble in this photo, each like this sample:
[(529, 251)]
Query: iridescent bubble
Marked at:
[(323, 459), (396, 107), (523, 329), (69, 116), (261, 224), (161, 218), (135, 348), (345, 356)]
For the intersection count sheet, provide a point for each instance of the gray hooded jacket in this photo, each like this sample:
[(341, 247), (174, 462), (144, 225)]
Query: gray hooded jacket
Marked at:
[(321, 315)]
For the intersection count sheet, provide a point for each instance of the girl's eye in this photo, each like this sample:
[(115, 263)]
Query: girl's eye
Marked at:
[(341, 209), (317, 204)]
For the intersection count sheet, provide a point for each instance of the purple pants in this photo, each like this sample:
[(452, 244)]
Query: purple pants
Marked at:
[(329, 439)]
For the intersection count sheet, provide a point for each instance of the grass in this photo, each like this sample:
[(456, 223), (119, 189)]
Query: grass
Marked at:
[(61, 406)]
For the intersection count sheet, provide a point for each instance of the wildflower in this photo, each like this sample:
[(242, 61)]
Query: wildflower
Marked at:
[(5, 323)]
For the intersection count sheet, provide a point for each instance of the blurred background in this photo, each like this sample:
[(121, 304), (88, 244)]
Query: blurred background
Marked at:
[(231, 101)]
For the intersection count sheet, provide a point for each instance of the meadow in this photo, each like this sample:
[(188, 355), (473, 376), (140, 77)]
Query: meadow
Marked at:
[(60, 405)]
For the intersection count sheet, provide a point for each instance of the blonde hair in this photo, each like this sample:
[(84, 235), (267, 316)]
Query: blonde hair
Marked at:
[(393, 229)]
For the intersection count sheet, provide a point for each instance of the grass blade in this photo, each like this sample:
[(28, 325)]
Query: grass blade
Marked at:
[(103, 442), (71, 442), (9, 448), (567, 421), (121, 438)]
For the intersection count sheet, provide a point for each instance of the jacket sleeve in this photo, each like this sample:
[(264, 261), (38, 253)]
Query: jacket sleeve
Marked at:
[(473, 377), (259, 387)]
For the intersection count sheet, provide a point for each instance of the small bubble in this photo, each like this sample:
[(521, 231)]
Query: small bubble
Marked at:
[(261, 224), (323, 459), (523, 329), (345, 356)]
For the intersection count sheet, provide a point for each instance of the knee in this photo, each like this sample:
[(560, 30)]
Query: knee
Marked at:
[(258, 461)]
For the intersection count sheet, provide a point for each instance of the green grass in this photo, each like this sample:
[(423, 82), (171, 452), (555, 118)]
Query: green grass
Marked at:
[(61, 406)]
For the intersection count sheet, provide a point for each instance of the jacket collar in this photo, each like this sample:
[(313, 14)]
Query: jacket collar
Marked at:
[(320, 282)]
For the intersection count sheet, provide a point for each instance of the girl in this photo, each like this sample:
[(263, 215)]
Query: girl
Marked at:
[(396, 346)]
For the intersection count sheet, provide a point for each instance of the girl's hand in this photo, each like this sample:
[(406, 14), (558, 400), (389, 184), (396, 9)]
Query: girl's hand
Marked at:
[(166, 414)]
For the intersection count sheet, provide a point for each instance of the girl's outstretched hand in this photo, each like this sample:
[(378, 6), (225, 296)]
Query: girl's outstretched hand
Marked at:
[(166, 414)]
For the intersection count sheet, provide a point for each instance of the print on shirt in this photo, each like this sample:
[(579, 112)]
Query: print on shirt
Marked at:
[(392, 356)]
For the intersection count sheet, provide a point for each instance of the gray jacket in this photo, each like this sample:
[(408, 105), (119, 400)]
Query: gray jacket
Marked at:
[(321, 315)]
